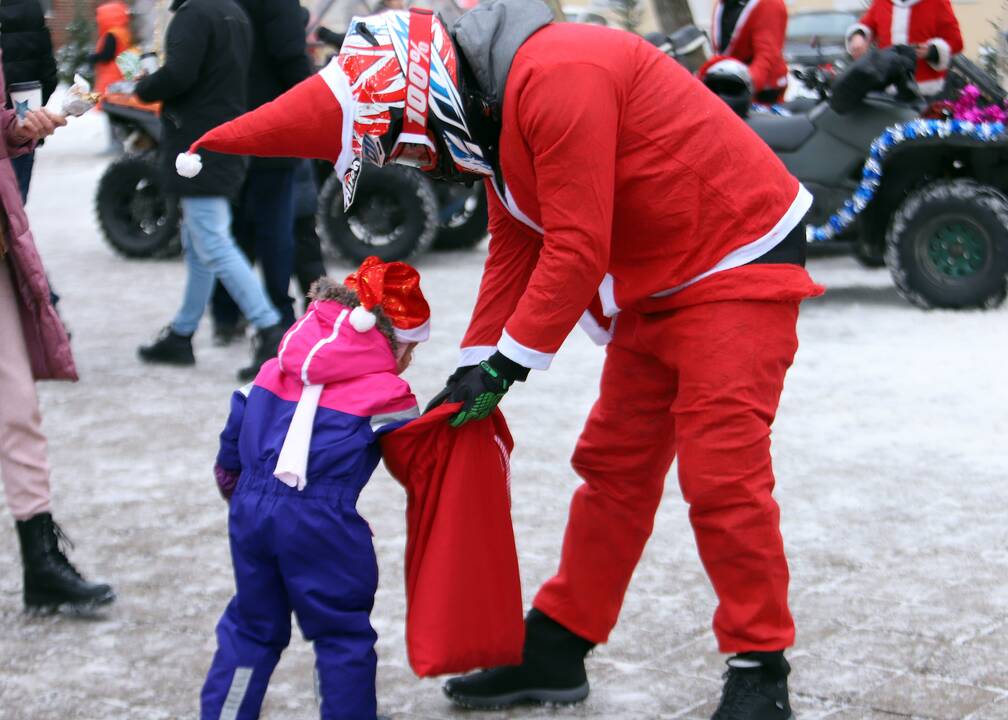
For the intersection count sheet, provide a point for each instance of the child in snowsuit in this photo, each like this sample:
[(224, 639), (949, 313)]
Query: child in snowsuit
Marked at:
[(297, 449)]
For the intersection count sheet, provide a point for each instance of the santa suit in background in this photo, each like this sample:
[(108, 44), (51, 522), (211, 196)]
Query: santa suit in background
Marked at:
[(625, 211), (752, 31), (915, 22)]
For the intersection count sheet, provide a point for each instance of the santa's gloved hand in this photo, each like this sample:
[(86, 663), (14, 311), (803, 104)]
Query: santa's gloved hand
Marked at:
[(481, 388), (450, 383)]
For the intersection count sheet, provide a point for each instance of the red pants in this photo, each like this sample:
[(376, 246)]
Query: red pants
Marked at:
[(702, 382)]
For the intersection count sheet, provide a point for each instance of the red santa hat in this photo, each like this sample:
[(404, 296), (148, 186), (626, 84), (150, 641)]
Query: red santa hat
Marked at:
[(395, 288), (314, 120)]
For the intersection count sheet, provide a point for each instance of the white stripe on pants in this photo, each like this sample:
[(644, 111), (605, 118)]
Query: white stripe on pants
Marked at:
[(23, 463)]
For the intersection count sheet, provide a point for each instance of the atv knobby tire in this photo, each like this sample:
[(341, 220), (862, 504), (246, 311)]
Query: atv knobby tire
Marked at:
[(136, 217), (463, 216), (947, 246), (870, 254), (394, 215)]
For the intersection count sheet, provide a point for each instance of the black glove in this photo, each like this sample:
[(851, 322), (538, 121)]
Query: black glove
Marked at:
[(481, 388), (933, 56), (450, 383)]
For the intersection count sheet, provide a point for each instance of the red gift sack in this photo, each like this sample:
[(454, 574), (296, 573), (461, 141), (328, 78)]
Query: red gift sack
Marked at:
[(463, 591)]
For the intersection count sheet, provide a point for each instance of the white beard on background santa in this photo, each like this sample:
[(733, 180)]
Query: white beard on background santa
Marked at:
[(928, 23)]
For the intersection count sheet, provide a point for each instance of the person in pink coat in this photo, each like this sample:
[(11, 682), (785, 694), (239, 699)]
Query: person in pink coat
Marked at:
[(33, 346)]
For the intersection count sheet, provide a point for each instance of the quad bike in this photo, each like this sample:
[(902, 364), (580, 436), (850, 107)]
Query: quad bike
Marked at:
[(398, 212), (135, 215), (938, 218)]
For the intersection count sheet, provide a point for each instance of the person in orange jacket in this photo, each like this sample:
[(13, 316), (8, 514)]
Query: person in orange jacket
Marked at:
[(113, 38), (929, 25), (752, 31)]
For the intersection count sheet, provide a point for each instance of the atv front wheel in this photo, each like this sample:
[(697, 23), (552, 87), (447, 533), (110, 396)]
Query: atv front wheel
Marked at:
[(393, 216), (463, 215), (868, 253), (947, 246), (136, 217)]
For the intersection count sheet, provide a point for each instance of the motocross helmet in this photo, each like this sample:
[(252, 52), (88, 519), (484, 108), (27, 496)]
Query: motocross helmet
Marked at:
[(404, 75), (729, 79)]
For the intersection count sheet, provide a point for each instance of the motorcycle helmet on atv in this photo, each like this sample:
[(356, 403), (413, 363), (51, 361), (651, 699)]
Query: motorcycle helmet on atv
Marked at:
[(403, 71), (729, 79)]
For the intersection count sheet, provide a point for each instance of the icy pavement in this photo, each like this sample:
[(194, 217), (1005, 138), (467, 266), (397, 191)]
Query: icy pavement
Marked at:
[(892, 478)]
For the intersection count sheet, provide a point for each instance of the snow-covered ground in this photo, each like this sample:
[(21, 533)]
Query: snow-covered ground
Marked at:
[(890, 452)]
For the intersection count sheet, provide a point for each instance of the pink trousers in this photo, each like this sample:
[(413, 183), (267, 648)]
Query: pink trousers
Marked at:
[(23, 464)]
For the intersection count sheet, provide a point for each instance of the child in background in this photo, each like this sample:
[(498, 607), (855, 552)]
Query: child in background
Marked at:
[(297, 449)]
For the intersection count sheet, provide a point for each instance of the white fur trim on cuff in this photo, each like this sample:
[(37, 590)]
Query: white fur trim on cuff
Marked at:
[(944, 53), (598, 334), (514, 350), (418, 334), (853, 30), (931, 87), (476, 354)]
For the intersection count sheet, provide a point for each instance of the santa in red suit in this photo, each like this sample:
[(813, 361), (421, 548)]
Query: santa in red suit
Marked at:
[(752, 31), (615, 204), (929, 25)]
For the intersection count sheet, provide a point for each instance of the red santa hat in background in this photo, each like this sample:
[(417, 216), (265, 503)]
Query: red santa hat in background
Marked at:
[(312, 120), (395, 288)]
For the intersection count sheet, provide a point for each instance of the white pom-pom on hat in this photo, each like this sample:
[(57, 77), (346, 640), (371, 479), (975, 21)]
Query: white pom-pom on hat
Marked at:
[(188, 164), (362, 319)]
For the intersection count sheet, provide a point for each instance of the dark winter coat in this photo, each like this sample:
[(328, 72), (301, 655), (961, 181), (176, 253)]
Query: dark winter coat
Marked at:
[(203, 83), (27, 45), (44, 334), (279, 56)]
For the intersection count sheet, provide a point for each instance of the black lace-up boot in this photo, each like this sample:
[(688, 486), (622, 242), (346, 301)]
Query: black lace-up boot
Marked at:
[(169, 348), (755, 688), (264, 347), (552, 671), (51, 583)]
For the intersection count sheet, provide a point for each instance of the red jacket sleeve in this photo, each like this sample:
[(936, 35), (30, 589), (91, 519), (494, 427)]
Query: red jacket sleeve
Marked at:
[(866, 25), (514, 252), (768, 43), (949, 39), (569, 116)]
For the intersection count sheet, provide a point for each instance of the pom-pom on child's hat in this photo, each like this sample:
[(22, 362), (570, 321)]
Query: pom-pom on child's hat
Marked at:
[(395, 288)]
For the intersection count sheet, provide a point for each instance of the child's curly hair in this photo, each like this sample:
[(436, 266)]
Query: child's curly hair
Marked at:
[(328, 289)]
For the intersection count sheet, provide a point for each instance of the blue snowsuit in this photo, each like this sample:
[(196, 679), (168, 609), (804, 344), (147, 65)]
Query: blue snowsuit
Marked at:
[(305, 551)]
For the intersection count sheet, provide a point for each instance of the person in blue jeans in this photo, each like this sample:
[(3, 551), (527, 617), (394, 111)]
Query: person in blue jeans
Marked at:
[(203, 83), (264, 221)]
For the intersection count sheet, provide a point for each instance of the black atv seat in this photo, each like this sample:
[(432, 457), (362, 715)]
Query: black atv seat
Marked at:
[(783, 133)]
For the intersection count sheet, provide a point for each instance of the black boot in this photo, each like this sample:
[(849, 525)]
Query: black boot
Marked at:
[(51, 583), (226, 333), (755, 688), (552, 671), (170, 348), (264, 346)]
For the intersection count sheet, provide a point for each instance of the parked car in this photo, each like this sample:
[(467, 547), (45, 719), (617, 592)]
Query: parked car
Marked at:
[(816, 37)]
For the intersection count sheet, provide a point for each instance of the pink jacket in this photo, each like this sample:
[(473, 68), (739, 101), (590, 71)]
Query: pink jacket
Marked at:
[(45, 336)]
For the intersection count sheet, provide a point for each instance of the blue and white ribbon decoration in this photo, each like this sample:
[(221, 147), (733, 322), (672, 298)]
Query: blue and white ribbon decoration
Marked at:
[(871, 175)]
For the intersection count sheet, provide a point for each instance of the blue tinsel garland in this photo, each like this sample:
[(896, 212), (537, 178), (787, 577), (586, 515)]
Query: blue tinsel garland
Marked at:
[(871, 175)]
